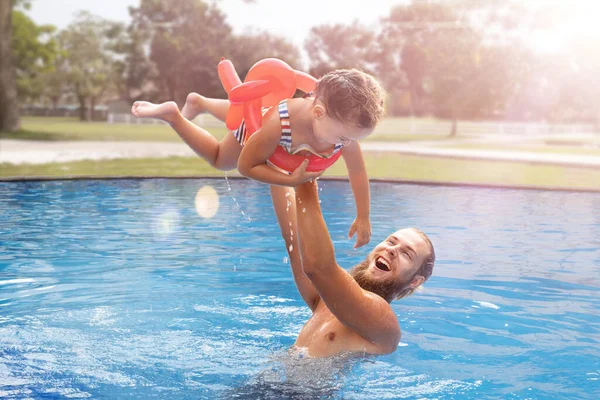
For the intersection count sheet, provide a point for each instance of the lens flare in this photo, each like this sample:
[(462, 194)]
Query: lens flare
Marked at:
[(165, 224), (207, 202)]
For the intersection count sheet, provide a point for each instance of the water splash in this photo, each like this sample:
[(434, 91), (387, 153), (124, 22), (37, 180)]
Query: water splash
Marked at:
[(234, 199)]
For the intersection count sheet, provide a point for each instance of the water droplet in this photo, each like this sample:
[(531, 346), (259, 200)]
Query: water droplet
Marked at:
[(291, 247), (287, 194), (290, 223), (285, 260), (291, 232), (233, 198), (303, 210)]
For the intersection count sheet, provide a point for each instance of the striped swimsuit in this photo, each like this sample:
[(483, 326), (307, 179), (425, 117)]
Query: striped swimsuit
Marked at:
[(286, 134)]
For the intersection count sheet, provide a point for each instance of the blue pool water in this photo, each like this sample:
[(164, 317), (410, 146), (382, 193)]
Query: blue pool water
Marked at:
[(120, 289)]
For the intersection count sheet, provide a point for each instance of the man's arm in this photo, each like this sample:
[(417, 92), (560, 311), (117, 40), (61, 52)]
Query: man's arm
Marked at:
[(365, 313), (284, 203)]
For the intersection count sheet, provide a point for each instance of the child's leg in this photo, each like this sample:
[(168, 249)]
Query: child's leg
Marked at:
[(195, 104), (223, 155)]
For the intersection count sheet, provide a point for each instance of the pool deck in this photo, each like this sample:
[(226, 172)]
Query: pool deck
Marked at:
[(42, 152)]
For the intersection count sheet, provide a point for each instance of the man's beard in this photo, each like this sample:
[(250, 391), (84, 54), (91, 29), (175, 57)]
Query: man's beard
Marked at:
[(388, 288)]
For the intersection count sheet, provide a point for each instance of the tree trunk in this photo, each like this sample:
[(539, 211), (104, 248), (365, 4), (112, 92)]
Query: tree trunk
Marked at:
[(412, 102), (82, 107), (453, 132), (92, 107), (88, 114), (9, 106)]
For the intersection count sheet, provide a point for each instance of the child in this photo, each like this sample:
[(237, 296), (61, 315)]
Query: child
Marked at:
[(346, 106)]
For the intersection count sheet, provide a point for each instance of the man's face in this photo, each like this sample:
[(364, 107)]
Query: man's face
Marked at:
[(391, 266)]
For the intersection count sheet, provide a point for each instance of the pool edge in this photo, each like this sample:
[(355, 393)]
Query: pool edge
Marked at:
[(379, 180)]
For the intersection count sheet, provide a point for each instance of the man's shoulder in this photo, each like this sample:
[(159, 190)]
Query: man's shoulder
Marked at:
[(379, 306)]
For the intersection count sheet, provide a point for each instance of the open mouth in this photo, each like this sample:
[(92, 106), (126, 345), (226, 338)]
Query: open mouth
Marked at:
[(382, 264)]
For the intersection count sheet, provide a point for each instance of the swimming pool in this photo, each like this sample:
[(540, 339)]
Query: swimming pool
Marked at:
[(120, 289)]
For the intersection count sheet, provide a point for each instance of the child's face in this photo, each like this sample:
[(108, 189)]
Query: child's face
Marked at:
[(331, 131)]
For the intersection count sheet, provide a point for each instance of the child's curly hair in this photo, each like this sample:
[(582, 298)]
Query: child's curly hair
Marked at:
[(350, 95)]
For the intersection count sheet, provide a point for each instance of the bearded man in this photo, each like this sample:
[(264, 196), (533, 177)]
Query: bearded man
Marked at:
[(351, 311)]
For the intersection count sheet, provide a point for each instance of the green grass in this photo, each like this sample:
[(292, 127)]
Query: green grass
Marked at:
[(390, 129), (528, 148), (574, 141), (404, 137), (408, 167), (55, 129), (378, 165)]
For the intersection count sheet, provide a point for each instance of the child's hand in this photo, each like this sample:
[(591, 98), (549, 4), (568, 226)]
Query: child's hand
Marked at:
[(300, 176), (362, 228)]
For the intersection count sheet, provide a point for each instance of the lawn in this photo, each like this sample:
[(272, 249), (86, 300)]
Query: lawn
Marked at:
[(392, 129), (405, 167), (535, 148), (51, 128), (40, 128)]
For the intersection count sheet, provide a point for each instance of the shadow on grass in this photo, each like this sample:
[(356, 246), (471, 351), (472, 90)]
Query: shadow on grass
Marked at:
[(35, 135)]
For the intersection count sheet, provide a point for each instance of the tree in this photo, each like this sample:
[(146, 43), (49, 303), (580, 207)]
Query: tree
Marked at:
[(247, 49), (88, 43), (337, 46), (187, 40), (453, 64), (422, 41), (575, 77), (33, 50), (133, 68), (9, 109), (55, 83)]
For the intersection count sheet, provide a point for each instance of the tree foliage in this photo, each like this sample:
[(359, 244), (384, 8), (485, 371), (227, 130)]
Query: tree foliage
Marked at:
[(89, 47), (459, 59), (34, 51)]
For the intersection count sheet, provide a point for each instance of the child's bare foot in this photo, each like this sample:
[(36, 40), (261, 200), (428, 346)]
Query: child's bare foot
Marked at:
[(165, 111), (194, 105)]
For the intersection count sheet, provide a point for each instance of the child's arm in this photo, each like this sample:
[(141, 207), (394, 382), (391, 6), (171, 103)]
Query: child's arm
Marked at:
[(260, 146), (359, 181)]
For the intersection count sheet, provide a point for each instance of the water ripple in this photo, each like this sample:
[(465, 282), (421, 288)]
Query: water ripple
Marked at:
[(120, 289)]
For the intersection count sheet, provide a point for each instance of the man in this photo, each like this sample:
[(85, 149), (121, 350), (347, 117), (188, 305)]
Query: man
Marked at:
[(351, 311)]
